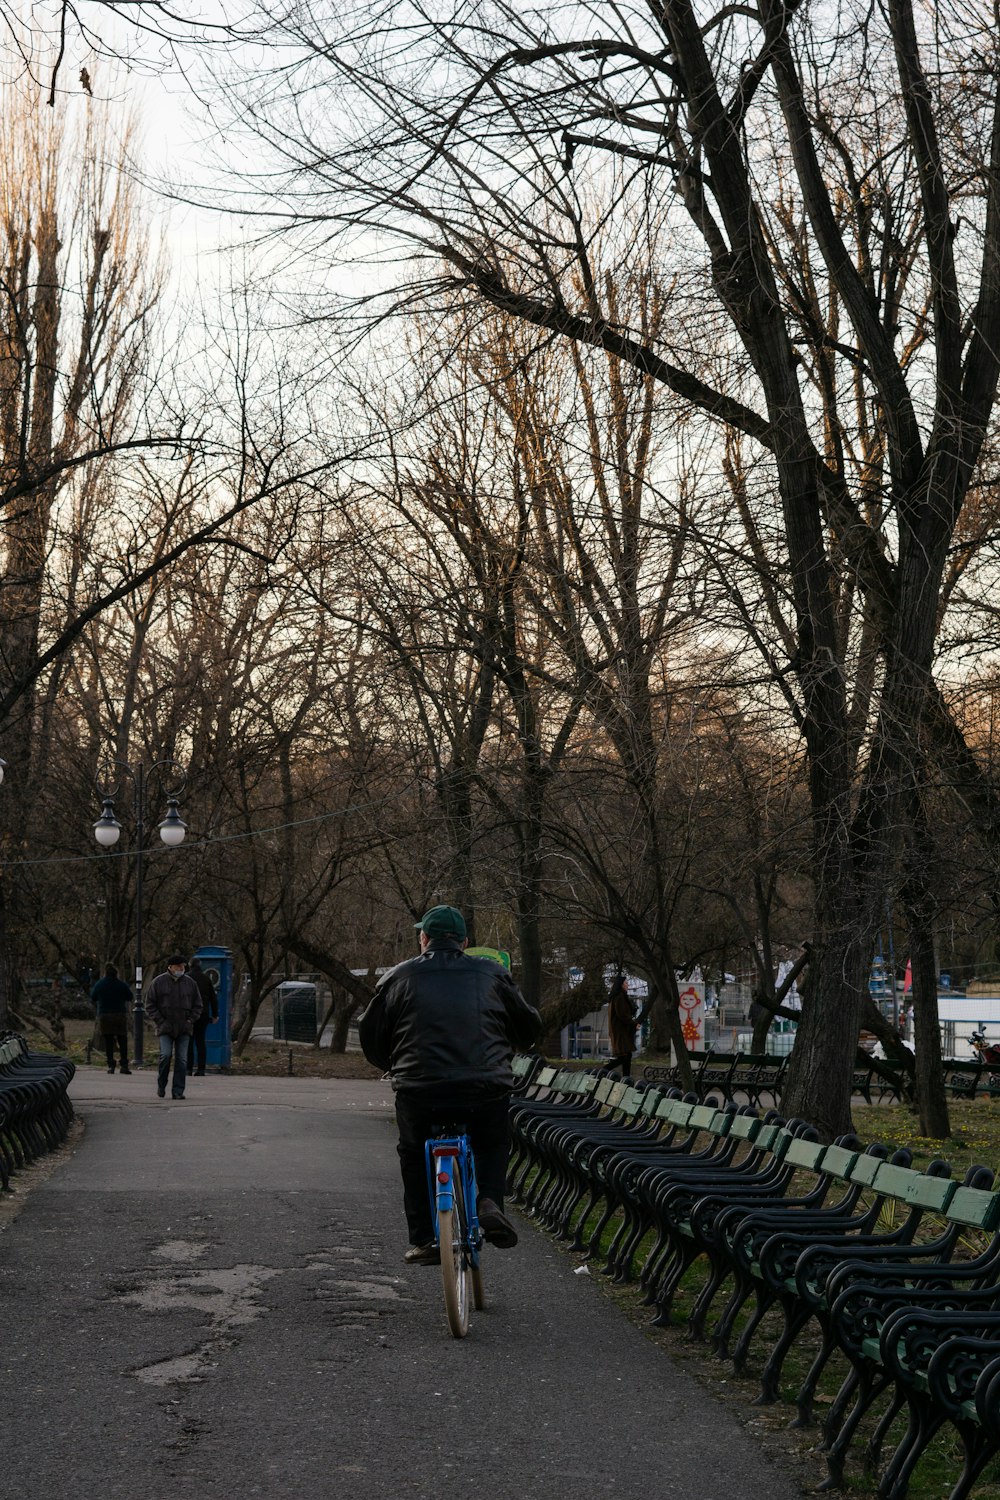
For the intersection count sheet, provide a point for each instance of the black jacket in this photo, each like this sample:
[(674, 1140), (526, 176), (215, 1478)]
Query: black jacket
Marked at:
[(112, 997), (444, 1017), (209, 999)]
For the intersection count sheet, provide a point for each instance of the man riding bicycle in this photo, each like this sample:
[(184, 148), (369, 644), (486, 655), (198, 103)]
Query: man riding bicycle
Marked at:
[(445, 1025)]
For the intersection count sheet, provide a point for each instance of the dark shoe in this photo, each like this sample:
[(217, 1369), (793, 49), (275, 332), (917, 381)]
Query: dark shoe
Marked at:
[(112, 1068), (499, 1231), (199, 1072), (126, 1071), (423, 1255), (162, 1093), (177, 1096)]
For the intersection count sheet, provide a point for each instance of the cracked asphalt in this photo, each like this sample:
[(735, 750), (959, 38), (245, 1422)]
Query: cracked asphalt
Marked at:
[(207, 1299)]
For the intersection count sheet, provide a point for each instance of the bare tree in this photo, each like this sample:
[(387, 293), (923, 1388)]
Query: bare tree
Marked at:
[(823, 161)]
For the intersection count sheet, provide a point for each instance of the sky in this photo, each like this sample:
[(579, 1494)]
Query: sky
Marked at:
[(177, 136)]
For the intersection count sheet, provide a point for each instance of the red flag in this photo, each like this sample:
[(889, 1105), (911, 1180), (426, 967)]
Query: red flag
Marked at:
[(908, 981)]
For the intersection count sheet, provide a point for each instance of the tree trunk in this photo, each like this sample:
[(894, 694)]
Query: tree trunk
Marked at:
[(932, 1102), (762, 1023), (529, 892), (822, 1061), (344, 1010), (8, 972)]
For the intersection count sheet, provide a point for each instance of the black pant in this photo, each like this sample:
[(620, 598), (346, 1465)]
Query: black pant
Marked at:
[(198, 1049), (420, 1114), (623, 1061), (121, 1037)]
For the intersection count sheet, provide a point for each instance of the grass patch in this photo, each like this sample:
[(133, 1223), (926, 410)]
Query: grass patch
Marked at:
[(271, 1060)]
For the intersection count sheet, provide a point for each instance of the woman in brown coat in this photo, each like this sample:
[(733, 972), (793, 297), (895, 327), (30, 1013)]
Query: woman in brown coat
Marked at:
[(621, 1026)]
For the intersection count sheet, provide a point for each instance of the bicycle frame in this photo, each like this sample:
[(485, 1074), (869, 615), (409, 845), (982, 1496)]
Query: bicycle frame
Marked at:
[(444, 1155)]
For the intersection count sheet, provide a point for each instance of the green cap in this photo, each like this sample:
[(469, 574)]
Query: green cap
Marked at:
[(442, 921)]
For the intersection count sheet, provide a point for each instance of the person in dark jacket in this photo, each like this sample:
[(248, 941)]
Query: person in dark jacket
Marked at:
[(197, 1047), (445, 1026), (112, 998), (621, 1026), (173, 1004)]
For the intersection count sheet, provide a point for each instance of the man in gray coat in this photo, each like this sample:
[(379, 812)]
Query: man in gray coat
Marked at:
[(173, 1004)]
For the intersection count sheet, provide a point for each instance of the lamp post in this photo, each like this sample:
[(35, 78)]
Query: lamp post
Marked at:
[(107, 831)]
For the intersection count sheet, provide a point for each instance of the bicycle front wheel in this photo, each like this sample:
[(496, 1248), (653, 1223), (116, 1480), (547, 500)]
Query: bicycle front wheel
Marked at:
[(455, 1262)]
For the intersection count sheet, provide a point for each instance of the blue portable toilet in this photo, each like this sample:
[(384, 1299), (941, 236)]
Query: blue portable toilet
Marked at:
[(218, 965)]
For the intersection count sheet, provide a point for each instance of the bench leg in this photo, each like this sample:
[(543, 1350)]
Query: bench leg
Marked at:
[(614, 1261), (633, 1230), (684, 1256), (796, 1318), (723, 1330), (841, 1406), (653, 1264), (605, 1219), (979, 1448), (765, 1301), (869, 1385), (577, 1241), (923, 1424), (696, 1322), (807, 1390), (873, 1449)]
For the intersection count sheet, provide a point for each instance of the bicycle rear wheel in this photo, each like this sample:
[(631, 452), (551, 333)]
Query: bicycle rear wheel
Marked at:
[(455, 1268)]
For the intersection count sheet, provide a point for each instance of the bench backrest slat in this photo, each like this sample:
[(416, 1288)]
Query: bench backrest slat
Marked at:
[(974, 1206), (915, 1188), (705, 1117), (767, 1135), (632, 1101), (674, 1111), (805, 1153), (865, 1167), (838, 1161)]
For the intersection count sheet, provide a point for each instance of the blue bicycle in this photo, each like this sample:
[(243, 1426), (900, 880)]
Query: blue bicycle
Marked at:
[(451, 1182)]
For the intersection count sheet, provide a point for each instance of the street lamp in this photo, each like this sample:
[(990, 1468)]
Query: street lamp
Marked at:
[(107, 832)]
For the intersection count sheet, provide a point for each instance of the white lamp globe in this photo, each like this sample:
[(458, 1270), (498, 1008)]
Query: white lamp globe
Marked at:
[(173, 828), (107, 829)]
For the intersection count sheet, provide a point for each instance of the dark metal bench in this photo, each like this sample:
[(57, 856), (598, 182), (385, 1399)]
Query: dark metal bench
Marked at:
[(787, 1221), (35, 1110)]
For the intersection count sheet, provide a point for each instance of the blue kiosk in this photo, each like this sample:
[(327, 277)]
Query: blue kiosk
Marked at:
[(217, 963)]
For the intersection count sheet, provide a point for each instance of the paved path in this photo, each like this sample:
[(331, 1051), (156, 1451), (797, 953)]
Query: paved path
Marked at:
[(207, 1299)]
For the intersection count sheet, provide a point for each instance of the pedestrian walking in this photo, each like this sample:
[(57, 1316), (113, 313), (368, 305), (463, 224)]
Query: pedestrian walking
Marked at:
[(112, 997), (621, 1026), (198, 1047), (173, 1004)]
